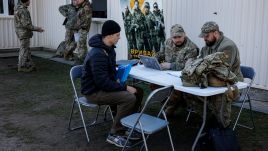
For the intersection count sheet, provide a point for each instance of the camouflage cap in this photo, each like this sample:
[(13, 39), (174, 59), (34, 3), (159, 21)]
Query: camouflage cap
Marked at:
[(208, 27), (146, 5), (176, 30)]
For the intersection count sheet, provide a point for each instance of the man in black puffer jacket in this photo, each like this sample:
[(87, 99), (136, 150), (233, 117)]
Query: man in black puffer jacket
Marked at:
[(99, 83)]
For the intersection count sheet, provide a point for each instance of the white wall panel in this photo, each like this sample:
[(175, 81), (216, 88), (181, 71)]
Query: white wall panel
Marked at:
[(8, 37), (48, 17), (116, 14)]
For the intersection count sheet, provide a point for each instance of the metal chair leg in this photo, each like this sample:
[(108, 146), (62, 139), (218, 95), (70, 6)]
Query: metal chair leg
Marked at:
[(190, 110), (71, 115), (144, 140), (238, 116), (83, 121), (125, 145), (251, 114), (110, 111), (188, 116), (170, 138), (240, 111)]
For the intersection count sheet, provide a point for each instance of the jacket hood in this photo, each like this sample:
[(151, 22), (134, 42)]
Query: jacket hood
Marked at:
[(96, 41)]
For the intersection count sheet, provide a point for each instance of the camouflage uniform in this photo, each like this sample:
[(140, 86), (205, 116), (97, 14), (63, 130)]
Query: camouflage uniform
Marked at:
[(177, 56), (160, 27), (151, 24), (219, 104), (24, 30), (69, 11), (83, 22), (140, 28), (129, 33)]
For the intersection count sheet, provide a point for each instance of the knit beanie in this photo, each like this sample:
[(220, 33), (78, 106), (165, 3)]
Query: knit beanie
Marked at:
[(110, 27), (24, 1)]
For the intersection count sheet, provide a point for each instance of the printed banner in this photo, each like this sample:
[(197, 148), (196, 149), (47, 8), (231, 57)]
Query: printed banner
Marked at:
[(144, 26)]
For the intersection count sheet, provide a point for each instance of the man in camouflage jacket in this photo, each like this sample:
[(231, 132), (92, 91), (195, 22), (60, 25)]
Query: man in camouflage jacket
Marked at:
[(82, 24), (178, 50), (24, 30), (217, 42), (69, 11)]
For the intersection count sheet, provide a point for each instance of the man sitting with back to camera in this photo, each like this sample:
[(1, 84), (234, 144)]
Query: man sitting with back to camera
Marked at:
[(99, 83)]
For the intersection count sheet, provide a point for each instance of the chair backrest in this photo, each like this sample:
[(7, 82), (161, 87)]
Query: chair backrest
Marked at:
[(122, 73), (75, 73), (248, 72), (160, 95)]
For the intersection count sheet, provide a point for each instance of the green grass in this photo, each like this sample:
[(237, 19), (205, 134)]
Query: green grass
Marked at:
[(22, 133)]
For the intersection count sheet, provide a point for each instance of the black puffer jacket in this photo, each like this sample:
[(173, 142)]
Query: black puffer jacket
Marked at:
[(99, 71)]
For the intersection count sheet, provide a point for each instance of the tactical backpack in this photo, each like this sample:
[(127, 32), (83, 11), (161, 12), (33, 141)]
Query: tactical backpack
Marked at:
[(213, 70)]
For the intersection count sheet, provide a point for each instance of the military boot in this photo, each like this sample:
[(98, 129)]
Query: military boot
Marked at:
[(24, 69), (32, 68)]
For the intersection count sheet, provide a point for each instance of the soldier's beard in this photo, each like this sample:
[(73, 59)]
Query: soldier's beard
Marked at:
[(211, 43), (178, 44)]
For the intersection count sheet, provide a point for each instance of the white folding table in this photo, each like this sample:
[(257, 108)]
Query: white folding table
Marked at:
[(168, 77)]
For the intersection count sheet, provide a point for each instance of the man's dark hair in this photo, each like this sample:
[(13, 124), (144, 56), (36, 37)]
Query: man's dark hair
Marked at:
[(24, 1)]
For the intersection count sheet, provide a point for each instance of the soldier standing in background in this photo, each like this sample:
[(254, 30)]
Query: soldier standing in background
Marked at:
[(178, 50), (129, 33), (24, 30), (83, 22), (160, 27), (151, 23), (69, 11), (140, 28)]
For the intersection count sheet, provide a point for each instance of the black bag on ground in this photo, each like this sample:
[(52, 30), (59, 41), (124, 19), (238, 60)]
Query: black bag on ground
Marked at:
[(218, 138)]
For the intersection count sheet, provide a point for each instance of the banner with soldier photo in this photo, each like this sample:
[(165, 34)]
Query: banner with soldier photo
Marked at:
[(144, 26)]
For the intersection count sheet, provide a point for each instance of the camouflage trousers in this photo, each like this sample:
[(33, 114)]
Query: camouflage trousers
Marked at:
[(81, 49), (24, 58), (69, 40), (219, 106)]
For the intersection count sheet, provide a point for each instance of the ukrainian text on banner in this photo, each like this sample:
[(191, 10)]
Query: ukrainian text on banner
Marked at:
[(144, 26)]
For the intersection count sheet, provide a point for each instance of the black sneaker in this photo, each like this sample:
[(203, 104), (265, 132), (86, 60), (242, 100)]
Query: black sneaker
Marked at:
[(134, 136), (117, 140)]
